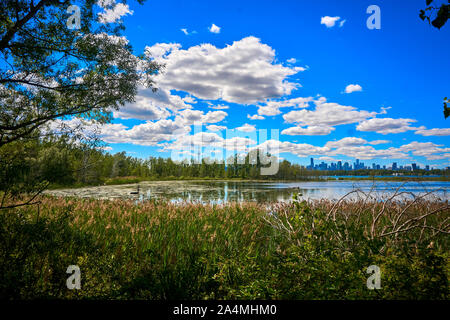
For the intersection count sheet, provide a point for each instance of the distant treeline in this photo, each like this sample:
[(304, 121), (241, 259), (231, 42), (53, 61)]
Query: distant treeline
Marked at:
[(66, 164)]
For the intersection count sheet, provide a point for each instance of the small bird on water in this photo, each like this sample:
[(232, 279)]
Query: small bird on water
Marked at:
[(135, 192)]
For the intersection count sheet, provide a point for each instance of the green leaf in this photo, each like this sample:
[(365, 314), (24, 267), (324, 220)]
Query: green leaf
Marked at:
[(422, 15), (442, 16)]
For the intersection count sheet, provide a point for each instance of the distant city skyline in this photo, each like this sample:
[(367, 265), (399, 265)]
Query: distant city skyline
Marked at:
[(357, 165)]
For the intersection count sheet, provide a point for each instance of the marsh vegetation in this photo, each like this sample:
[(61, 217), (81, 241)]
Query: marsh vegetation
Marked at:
[(316, 249)]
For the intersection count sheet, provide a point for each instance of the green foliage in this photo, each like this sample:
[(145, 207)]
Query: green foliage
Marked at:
[(164, 251), (416, 275), (63, 73), (62, 163), (50, 73), (446, 108), (442, 15)]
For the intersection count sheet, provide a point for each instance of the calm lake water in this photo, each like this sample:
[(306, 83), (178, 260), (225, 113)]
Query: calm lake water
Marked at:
[(230, 191)]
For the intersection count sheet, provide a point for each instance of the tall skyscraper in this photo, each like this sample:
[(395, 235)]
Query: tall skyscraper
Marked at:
[(346, 166)]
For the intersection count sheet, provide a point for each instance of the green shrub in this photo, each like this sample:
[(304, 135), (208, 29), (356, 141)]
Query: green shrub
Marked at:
[(158, 250)]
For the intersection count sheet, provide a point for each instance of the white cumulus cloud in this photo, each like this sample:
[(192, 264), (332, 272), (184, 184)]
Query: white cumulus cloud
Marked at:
[(190, 116), (214, 127), (291, 60), (329, 21), (244, 72), (214, 29), (146, 134), (219, 107), (327, 114), (255, 117), (387, 125), (353, 88), (272, 107), (346, 142), (434, 132), (308, 131), (246, 128), (113, 12), (377, 142)]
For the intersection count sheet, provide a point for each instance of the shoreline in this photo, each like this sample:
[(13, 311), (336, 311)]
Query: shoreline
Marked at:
[(327, 179)]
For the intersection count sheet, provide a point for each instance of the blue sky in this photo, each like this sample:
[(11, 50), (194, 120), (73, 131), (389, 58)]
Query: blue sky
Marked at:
[(278, 51)]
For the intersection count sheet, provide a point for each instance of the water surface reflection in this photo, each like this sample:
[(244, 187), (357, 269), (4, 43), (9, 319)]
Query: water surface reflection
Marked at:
[(239, 191)]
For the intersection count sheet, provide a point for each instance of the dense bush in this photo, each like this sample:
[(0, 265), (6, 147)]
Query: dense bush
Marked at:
[(304, 250)]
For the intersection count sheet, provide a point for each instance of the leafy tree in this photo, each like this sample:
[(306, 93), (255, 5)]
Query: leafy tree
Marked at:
[(442, 14), (50, 72), (446, 108)]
